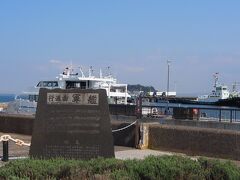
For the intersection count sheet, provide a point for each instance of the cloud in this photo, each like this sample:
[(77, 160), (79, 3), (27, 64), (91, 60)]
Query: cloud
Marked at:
[(153, 58), (192, 60), (134, 69), (57, 64), (227, 60), (53, 61)]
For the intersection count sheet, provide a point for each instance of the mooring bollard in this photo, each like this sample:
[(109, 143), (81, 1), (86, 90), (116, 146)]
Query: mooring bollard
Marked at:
[(5, 151)]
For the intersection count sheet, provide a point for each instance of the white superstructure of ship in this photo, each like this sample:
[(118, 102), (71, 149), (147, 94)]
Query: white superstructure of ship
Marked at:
[(220, 92), (68, 79)]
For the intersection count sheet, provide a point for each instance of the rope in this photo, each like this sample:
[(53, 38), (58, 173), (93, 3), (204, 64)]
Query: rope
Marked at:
[(116, 130), (18, 142)]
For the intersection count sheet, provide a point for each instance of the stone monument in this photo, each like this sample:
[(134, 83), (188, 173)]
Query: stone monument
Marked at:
[(72, 124)]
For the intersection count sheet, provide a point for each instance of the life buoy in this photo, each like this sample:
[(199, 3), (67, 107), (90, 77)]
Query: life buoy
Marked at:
[(195, 111)]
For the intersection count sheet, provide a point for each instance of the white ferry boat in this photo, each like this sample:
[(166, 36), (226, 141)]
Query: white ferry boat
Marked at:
[(117, 93), (219, 92)]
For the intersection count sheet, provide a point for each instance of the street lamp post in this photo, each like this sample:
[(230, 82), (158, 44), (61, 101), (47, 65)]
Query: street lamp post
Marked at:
[(168, 63), (168, 77)]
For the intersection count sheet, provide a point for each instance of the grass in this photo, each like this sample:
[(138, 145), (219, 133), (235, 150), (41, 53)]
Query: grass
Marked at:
[(152, 167)]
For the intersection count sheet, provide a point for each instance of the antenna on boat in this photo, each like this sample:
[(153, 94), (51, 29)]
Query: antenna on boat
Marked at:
[(71, 67), (100, 73), (215, 75), (81, 71), (90, 71), (108, 71)]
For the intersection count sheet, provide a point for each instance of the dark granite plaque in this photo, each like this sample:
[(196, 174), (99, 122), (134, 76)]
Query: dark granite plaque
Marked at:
[(72, 124)]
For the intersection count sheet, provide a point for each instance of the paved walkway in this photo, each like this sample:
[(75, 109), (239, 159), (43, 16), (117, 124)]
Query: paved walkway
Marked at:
[(132, 153), (120, 152)]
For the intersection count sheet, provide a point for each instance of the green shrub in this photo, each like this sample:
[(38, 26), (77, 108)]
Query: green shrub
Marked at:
[(152, 167), (166, 167), (215, 169)]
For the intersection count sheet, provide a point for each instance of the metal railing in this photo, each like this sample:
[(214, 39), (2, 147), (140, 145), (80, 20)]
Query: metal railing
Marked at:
[(201, 113)]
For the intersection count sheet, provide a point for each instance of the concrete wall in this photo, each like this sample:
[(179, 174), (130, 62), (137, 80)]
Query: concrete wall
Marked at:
[(24, 124), (128, 137), (195, 141), (16, 124)]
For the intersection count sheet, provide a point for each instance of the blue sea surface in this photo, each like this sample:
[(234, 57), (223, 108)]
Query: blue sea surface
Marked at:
[(6, 98)]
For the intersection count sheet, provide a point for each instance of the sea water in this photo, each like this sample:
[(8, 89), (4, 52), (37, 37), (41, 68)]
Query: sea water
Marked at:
[(4, 98)]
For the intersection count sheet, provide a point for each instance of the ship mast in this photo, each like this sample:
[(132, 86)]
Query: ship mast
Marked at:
[(90, 72), (108, 71), (81, 71), (100, 73), (215, 79)]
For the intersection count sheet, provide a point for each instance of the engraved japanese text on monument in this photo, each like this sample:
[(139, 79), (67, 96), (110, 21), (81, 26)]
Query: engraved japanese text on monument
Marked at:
[(73, 98)]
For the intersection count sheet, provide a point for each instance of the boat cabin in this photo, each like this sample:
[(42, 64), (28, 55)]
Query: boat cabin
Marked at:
[(47, 84)]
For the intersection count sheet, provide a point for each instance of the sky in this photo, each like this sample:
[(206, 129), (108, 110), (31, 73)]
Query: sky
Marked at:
[(134, 37)]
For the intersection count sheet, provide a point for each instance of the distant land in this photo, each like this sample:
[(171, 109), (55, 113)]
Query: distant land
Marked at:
[(146, 89), (138, 87)]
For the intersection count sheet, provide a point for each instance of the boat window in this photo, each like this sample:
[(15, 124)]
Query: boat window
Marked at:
[(39, 84), (48, 84), (88, 84), (55, 84), (45, 84), (22, 96), (117, 89), (69, 85), (83, 85), (224, 88), (76, 84)]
